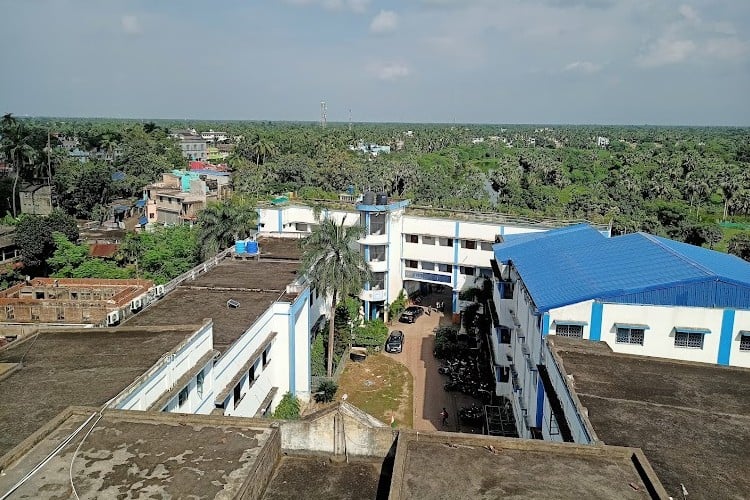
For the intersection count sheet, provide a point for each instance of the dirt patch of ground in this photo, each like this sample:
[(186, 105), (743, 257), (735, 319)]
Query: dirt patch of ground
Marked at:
[(380, 386)]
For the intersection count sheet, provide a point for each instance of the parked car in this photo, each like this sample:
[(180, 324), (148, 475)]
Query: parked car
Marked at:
[(395, 342), (411, 314)]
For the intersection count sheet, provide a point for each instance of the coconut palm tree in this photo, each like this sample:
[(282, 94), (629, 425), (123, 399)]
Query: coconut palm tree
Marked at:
[(334, 266), (222, 223), (17, 143)]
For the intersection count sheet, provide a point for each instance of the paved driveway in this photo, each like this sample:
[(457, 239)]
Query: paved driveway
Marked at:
[(429, 396)]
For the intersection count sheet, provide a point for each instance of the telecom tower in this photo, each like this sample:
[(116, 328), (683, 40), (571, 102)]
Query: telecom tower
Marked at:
[(323, 114)]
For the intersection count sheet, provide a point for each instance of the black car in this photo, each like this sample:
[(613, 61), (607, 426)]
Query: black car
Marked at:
[(395, 342), (411, 314)]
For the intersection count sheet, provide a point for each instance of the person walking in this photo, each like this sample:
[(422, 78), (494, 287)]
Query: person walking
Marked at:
[(444, 416)]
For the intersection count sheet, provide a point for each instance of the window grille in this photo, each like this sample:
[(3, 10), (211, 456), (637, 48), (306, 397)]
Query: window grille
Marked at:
[(689, 340), (630, 336), (575, 331), (745, 343)]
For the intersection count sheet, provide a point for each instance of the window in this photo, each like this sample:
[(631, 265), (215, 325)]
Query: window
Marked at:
[(199, 383), (569, 331), (151, 215), (428, 240), (469, 244), (9, 312), (411, 263), (266, 356), (504, 335), (251, 373), (411, 238), (630, 336), (485, 245), (60, 314), (445, 242), (182, 397), (745, 341), (554, 429), (428, 266), (86, 315), (34, 314), (689, 340), (237, 393), (507, 289), (466, 271), (445, 268)]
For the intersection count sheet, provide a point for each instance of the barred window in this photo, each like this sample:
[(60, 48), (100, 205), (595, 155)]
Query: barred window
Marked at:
[(745, 343), (630, 336), (569, 331), (688, 340)]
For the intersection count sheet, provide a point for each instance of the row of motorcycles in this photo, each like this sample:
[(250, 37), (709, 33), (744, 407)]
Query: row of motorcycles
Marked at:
[(464, 376)]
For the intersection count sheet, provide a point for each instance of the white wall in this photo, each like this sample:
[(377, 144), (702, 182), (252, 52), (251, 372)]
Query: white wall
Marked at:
[(160, 378), (660, 337)]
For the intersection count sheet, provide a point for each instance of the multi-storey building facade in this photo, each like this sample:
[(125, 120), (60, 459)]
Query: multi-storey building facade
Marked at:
[(407, 248), (638, 293)]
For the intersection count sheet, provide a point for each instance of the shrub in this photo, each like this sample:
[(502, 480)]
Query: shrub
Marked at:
[(288, 408), (326, 391), (318, 356), (398, 305), (371, 334), (446, 342)]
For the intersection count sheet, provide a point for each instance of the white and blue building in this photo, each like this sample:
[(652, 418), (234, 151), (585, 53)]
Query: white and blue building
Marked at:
[(409, 248), (639, 293)]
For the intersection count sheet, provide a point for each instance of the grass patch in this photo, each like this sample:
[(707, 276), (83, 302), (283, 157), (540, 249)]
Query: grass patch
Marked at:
[(380, 386)]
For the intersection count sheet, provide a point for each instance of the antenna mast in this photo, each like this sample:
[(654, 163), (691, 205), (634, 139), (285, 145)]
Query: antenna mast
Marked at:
[(323, 114), (350, 119)]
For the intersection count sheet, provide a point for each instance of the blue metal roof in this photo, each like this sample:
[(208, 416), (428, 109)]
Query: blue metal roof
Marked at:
[(577, 263), (140, 203), (143, 220)]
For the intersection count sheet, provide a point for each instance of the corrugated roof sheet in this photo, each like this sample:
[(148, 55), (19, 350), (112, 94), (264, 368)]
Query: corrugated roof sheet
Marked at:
[(577, 263)]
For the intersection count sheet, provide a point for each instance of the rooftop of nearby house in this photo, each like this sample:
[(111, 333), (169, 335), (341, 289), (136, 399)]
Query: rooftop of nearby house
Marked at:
[(256, 285), (137, 455), (114, 292), (692, 420), (54, 369), (447, 465)]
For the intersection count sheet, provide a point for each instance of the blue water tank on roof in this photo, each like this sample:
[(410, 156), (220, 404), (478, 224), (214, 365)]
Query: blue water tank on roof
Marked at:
[(252, 247), (239, 246)]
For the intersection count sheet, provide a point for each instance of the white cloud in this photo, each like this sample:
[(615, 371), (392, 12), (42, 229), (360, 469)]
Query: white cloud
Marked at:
[(385, 21), (130, 25), (388, 71), (357, 6), (586, 67), (728, 48), (666, 51), (689, 13)]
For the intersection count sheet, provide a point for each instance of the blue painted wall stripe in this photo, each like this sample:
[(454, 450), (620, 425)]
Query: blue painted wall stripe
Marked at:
[(545, 324), (539, 402), (281, 219), (725, 341), (597, 311)]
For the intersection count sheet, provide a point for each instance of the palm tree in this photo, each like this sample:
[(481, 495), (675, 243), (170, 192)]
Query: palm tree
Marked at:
[(334, 267), (262, 148), (222, 223), (16, 143)]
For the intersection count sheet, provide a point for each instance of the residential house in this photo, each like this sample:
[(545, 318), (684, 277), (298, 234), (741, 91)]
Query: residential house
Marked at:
[(36, 199)]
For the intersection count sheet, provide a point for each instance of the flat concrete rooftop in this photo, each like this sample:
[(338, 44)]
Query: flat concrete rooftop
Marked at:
[(57, 369), (318, 477), (692, 420), (447, 465), (279, 248), (256, 285), (131, 454), (249, 275)]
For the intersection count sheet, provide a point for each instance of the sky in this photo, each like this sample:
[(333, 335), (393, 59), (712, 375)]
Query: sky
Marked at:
[(657, 62)]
